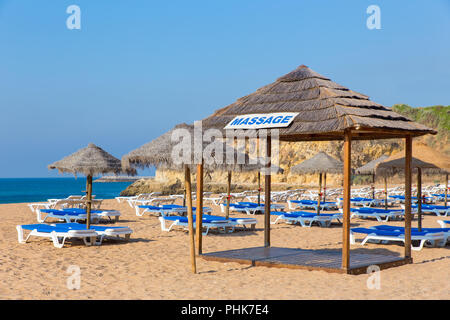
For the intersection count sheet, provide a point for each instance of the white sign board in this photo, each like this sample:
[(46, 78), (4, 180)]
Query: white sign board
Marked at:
[(262, 121)]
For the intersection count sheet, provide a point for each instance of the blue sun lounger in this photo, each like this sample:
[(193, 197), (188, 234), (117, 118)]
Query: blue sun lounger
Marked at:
[(444, 223), (75, 214), (446, 231), (383, 236), (208, 222), (306, 219), (379, 214), (165, 209), (58, 233), (440, 211), (311, 204)]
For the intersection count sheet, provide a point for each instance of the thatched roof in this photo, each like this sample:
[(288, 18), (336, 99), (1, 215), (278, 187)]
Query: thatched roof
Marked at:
[(370, 167), (320, 163), (91, 160), (158, 153), (325, 109), (430, 160)]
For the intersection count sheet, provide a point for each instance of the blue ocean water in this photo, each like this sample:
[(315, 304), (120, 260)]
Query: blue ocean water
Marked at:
[(15, 190)]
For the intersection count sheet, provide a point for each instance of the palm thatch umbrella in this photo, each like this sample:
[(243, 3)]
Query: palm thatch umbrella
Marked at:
[(321, 163), (370, 168), (325, 111), (163, 152), (89, 161), (396, 164)]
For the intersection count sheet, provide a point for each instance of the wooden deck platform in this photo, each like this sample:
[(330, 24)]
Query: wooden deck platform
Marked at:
[(328, 260)]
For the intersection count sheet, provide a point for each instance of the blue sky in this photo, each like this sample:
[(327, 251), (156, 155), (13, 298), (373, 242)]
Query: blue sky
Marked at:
[(137, 68)]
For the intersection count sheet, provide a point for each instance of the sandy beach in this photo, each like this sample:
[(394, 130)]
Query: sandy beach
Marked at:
[(155, 265)]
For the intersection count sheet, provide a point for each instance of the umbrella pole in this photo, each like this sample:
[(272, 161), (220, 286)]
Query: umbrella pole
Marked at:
[(199, 207), (324, 187), (227, 212), (259, 188), (419, 199), (320, 193), (373, 185), (446, 189), (385, 193), (184, 197), (89, 201), (187, 183)]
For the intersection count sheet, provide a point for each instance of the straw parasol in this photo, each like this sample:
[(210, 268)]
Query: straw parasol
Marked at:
[(321, 163), (370, 168), (326, 111), (208, 155), (90, 161), (396, 164)]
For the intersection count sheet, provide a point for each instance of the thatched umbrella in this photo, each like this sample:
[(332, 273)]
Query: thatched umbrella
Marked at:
[(370, 168), (325, 111), (396, 164), (162, 152), (321, 163), (89, 161)]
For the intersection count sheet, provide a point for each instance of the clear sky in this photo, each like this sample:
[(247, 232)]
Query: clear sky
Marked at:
[(137, 68)]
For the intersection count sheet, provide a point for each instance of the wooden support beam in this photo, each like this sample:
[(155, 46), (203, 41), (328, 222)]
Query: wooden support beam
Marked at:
[(419, 199), (385, 193), (187, 183), (446, 189), (373, 185), (227, 211), (346, 203), (259, 187), (267, 188), (199, 211), (325, 187), (408, 158)]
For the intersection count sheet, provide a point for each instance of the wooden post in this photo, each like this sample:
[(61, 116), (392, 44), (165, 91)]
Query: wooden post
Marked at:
[(385, 193), (320, 194), (419, 199), (259, 188), (346, 203), (199, 211), (324, 187), (446, 188), (187, 183), (267, 194), (184, 197), (227, 211), (408, 157), (373, 185), (89, 201)]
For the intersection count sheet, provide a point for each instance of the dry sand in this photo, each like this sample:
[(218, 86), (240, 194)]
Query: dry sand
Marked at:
[(155, 265)]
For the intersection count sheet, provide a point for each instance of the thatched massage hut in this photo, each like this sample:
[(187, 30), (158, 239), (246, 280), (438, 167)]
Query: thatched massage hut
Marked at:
[(370, 169), (322, 164), (324, 110), (90, 161)]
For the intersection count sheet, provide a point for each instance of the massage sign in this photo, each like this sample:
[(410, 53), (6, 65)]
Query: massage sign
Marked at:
[(262, 121)]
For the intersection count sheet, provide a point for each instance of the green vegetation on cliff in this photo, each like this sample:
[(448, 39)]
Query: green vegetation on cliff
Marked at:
[(436, 117)]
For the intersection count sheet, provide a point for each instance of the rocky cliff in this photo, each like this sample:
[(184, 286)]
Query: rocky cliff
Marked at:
[(292, 153)]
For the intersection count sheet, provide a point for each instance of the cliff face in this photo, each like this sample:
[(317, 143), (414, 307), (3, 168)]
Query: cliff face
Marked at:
[(292, 153)]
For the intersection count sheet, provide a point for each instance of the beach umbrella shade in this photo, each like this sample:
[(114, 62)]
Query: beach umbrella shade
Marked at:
[(396, 164), (90, 161), (370, 169), (321, 163), (162, 153)]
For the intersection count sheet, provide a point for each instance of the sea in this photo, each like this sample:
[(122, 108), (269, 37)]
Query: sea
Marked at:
[(18, 190)]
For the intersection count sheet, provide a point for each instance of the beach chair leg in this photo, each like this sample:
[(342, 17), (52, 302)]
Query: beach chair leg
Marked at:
[(206, 232), (352, 238), (55, 240), (20, 235), (367, 238), (39, 217)]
